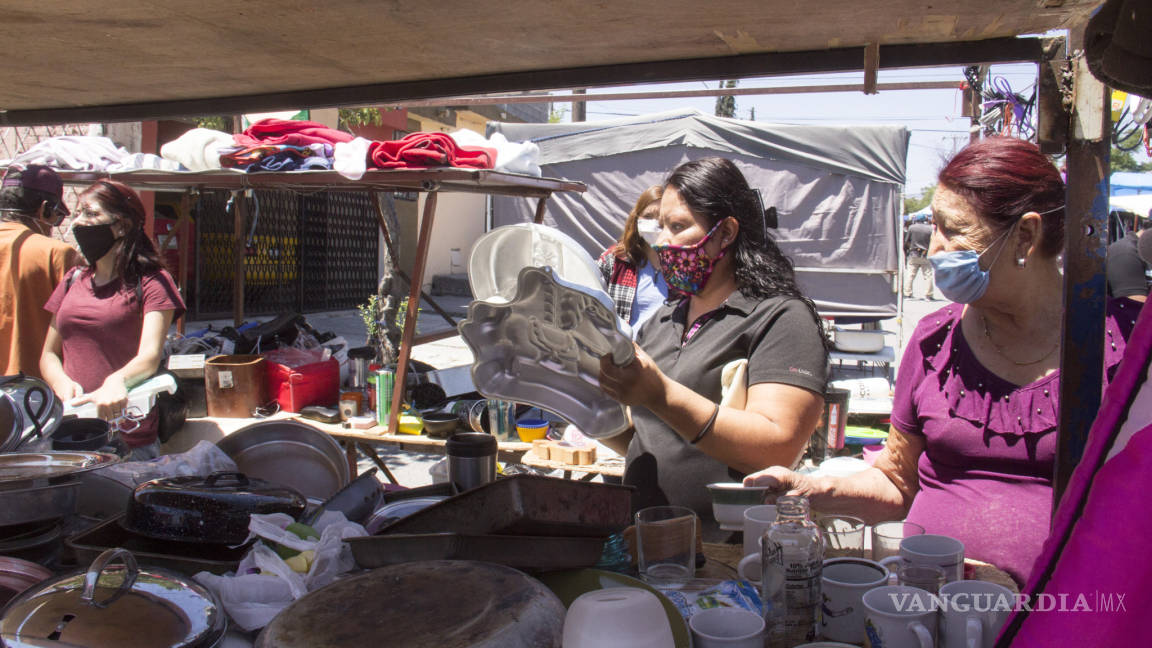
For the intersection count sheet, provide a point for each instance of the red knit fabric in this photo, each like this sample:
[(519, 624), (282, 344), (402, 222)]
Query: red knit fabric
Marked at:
[(291, 132), (422, 150)]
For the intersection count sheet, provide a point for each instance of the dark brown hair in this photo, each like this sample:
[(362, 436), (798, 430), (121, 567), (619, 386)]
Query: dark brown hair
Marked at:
[(631, 244), (137, 256)]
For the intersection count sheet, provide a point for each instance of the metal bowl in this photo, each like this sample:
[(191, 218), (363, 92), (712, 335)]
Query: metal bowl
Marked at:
[(290, 454), (440, 426)]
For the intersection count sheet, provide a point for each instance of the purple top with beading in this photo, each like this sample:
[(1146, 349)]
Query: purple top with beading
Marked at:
[(989, 445)]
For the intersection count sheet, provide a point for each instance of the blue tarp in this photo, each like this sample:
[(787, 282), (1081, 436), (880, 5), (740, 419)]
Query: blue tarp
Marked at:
[(1129, 183)]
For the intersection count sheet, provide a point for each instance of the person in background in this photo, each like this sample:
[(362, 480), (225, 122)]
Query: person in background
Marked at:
[(1127, 273), (111, 318), (31, 263), (916, 240), (972, 444), (630, 267), (738, 301)]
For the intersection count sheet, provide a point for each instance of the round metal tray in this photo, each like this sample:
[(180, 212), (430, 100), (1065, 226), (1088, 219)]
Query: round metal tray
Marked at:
[(21, 469), (290, 454)]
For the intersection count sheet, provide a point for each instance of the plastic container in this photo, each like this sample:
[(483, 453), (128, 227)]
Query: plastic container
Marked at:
[(498, 257), (530, 430), (295, 388)]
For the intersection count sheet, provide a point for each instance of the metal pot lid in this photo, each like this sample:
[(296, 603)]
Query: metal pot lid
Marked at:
[(19, 467), (50, 412), (437, 603), (11, 423), (114, 605)]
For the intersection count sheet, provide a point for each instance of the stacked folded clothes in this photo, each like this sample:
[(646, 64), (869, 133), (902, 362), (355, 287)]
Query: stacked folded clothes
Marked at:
[(283, 145), (290, 132), (423, 150), (277, 157)]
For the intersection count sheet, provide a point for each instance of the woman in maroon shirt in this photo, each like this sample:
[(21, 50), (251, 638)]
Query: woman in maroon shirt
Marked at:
[(973, 440), (110, 319)]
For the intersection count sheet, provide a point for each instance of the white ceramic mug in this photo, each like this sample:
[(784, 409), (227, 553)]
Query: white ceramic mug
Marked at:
[(929, 549), (844, 582), (972, 613), (727, 627), (617, 617), (900, 617), (757, 519), (751, 566)]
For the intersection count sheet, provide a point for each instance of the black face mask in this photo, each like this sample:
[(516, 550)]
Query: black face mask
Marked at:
[(94, 240)]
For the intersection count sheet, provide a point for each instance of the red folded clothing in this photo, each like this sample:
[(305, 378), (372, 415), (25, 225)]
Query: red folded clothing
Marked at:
[(422, 150), (291, 132)]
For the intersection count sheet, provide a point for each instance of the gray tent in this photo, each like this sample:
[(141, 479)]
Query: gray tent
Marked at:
[(837, 190)]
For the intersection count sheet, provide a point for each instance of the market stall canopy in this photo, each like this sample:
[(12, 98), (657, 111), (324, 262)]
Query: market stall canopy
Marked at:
[(836, 190), (134, 59), (1130, 183)]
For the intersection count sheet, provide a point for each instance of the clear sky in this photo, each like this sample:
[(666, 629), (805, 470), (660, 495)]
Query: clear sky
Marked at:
[(932, 116)]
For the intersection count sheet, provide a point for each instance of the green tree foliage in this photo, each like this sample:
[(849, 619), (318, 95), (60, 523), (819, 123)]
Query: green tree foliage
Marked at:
[(916, 203), (215, 122), (1126, 161), (352, 117)]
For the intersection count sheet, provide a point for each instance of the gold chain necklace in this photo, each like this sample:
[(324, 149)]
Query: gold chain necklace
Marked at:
[(988, 336)]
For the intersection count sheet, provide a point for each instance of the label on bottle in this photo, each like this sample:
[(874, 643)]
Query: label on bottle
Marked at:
[(795, 603)]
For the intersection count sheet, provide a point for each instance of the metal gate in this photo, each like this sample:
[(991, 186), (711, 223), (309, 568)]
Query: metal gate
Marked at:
[(302, 252)]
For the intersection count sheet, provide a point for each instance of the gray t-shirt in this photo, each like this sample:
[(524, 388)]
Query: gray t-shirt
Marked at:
[(782, 342)]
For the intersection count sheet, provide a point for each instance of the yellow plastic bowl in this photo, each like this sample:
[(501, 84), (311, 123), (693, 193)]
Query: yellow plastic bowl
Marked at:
[(410, 424), (533, 431)]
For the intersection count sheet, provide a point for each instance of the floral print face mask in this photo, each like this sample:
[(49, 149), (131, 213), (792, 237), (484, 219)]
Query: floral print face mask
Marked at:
[(687, 267)]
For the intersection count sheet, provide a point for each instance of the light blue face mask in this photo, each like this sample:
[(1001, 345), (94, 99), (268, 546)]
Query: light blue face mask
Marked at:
[(958, 273)]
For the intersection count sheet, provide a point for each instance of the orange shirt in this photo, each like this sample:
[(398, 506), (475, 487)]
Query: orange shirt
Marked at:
[(30, 267)]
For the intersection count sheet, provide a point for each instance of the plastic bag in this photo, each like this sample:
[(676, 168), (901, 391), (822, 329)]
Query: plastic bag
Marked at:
[(291, 357), (252, 598), (202, 460)]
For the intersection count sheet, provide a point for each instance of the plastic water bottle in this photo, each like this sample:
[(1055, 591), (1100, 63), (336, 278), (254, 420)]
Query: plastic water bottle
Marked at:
[(793, 557)]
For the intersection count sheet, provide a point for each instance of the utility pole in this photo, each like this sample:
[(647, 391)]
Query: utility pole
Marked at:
[(579, 108)]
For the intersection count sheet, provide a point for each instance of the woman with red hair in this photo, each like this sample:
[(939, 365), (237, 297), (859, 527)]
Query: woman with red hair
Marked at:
[(972, 443), (110, 319)]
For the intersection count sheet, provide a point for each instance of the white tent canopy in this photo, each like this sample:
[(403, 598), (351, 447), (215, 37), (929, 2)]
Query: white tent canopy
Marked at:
[(836, 189)]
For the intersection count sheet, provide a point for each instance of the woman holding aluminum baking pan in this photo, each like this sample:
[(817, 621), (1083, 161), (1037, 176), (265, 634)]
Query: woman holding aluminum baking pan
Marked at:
[(739, 301)]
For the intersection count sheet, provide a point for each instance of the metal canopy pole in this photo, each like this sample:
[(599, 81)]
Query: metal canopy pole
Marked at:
[(410, 315), (239, 221), (1085, 229), (541, 207)]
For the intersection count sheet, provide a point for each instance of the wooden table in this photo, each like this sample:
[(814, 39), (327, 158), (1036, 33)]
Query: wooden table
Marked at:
[(364, 440), (610, 468), (214, 428)]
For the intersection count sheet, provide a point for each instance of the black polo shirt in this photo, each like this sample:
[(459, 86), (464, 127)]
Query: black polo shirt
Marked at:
[(1126, 272), (782, 342)]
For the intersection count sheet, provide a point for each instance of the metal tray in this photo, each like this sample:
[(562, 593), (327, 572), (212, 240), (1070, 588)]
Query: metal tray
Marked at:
[(526, 505), (290, 454), (523, 552), (183, 557), (21, 470), (544, 348)]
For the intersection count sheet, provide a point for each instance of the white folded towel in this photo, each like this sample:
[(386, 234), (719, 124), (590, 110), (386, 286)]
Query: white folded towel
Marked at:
[(198, 149)]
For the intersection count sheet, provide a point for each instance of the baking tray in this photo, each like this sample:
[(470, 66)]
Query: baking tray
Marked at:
[(187, 558), (523, 552), (544, 348), (526, 505)]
